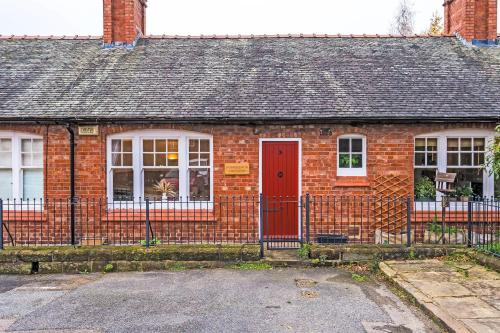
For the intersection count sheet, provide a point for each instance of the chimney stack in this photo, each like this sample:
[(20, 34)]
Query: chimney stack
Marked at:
[(124, 22), (474, 20)]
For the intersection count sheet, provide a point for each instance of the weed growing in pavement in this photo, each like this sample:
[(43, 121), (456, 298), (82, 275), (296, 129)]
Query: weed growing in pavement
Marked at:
[(358, 277), (251, 266), (304, 251)]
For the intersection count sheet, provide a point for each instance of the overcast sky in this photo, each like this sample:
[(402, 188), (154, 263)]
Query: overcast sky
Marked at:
[(195, 17)]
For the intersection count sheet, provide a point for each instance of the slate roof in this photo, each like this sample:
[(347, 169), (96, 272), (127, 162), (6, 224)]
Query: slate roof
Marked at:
[(250, 80)]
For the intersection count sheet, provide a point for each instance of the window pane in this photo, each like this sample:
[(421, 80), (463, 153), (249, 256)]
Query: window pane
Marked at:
[(6, 159), (152, 180), (344, 146), (452, 159), (148, 159), (37, 145), (193, 145), (26, 159), (5, 184), (173, 146), (205, 146), (199, 184), (148, 145), (37, 160), (344, 161), (204, 159), (432, 144), (32, 184), (420, 159), (5, 145), (470, 178), (161, 146), (116, 159), (161, 160), (26, 145), (123, 185), (431, 159), (116, 146), (193, 159), (478, 159), (452, 144), (425, 185), (357, 161), (173, 159), (466, 144), (466, 159), (127, 146), (479, 144), (357, 145), (127, 159), (420, 144)]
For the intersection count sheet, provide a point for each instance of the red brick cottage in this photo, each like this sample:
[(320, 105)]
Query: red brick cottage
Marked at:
[(236, 116)]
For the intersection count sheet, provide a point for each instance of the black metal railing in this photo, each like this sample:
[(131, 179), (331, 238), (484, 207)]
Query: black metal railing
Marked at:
[(275, 222)]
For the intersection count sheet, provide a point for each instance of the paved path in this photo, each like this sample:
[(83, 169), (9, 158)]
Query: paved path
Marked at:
[(465, 296), (219, 300)]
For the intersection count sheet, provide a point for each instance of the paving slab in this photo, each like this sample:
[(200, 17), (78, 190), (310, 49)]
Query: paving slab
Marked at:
[(464, 296)]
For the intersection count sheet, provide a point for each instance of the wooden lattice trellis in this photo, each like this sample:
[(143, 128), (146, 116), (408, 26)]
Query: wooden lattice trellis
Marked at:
[(390, 215)]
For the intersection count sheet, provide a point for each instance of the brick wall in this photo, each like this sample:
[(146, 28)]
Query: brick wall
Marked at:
[(389, 150), (473, 19)]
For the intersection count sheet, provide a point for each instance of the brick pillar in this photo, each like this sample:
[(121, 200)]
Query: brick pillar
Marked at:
[(124, 21)]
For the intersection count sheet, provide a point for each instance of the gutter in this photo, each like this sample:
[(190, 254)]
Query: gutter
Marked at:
[(251, 121)]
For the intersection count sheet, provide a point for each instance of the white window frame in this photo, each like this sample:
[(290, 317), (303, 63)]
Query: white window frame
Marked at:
[(442, 151), (137, 138), (16, 164), (352, 172)]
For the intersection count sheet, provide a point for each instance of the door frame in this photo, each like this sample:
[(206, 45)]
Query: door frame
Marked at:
[(299, 141)]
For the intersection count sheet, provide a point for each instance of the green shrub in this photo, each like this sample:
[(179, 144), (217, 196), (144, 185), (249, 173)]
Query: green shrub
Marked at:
[(304, 251), (109, 268), (152, 242), (425, 189)]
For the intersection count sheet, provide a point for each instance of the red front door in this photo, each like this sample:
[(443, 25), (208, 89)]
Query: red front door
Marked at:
[(280, 189)]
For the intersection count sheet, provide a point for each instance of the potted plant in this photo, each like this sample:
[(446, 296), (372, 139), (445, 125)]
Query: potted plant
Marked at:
[(425, 189), (464, 193), (166, 189)]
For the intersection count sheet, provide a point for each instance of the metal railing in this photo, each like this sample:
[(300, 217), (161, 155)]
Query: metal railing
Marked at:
[(275, 222)]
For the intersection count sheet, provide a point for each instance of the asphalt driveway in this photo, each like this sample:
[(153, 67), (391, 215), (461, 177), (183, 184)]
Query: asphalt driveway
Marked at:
[(222, 300)]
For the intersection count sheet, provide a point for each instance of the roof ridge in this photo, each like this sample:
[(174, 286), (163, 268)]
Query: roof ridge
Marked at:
[(215, 36), (51, 37)]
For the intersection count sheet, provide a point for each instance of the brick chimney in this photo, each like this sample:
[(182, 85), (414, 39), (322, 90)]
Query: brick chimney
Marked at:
[(474, 20), (124, 22)]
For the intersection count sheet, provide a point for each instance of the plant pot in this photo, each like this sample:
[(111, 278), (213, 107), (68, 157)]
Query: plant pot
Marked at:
[(164, 197), (464, 199)]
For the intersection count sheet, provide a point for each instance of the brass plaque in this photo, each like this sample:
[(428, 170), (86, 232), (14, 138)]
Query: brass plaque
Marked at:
[(88, 130), (236, 169)]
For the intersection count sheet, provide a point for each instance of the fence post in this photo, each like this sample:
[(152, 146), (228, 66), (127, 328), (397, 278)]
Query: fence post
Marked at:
[(408, 222), (1, 224), (469, 223), (308, 218), (261, 225), (147, 223)]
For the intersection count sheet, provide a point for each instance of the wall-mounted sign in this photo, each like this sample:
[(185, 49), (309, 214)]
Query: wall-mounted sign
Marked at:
[(236, 169), (88, 130)]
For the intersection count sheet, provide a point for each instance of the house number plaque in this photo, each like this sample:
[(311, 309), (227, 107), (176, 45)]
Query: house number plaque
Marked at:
[(88, 130), (236, 169)]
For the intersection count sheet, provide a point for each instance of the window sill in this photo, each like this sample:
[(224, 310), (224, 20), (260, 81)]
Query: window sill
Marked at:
[(352, 181)]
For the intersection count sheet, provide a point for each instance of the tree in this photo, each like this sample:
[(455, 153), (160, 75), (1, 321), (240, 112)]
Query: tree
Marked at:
[(436, 26), (493, 156), (404, 20)]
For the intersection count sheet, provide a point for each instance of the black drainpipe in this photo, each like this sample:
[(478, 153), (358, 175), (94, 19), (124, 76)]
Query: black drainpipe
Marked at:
[(72, 181)]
